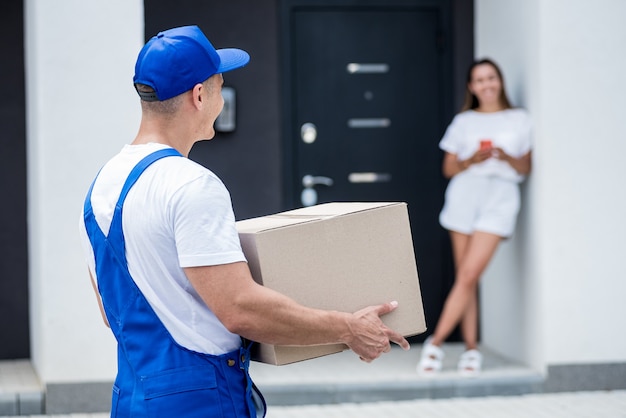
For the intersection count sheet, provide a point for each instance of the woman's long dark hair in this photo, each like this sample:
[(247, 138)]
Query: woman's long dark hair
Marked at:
[(471, 102)]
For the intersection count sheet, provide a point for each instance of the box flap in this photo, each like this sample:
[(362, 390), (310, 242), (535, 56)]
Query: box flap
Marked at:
[(307, 214), (337, 208), (265, 223)]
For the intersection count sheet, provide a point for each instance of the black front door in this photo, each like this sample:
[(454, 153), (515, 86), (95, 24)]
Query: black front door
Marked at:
[(366, 114)]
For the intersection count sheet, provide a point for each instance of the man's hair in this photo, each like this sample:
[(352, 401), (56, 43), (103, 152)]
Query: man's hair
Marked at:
[(166, 107)]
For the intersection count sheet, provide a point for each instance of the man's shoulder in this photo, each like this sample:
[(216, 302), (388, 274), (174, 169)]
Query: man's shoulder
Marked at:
[(183, 166), (178, 174)]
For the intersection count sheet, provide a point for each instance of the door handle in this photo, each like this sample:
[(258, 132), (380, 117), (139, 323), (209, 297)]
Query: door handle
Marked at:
[(309, 181), (309, 194)]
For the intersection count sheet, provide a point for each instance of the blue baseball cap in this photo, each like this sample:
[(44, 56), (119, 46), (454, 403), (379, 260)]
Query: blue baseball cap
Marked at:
[(175, 60)]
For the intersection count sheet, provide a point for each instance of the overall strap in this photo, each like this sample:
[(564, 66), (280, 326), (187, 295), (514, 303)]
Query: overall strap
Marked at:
[(133, 176), (115, 229), (116, 222), (139, 168), (109, 249)]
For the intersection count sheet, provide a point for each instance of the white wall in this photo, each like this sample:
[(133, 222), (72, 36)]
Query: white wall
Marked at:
[(506, 31), (81, 108), (585, 135), (564, 61)]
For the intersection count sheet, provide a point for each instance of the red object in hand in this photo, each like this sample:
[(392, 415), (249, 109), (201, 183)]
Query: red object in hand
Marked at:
[(485, 144)]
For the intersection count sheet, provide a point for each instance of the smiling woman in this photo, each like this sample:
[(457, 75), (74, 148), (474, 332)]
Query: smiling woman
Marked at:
[(487, 154), (485, 87)]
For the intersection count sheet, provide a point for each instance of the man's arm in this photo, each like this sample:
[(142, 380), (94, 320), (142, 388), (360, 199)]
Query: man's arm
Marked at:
[(264, 315)]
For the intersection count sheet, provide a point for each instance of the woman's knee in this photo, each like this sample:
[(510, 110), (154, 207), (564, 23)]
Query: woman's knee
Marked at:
[(467, 278)]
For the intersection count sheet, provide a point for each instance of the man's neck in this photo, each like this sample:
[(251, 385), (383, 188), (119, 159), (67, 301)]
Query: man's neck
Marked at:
[(170, 134)]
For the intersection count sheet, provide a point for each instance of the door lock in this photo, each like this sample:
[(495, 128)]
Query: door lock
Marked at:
[(308, 133)]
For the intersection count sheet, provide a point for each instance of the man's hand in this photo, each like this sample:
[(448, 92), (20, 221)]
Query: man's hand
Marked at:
[(369, 337)]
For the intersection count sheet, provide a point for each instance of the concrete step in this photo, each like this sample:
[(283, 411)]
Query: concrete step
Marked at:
[(333, 379), (21, 392), (342, 377)]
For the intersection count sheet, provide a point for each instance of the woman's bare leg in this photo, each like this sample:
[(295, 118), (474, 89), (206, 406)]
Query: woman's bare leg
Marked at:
[(478, 251), (469, 323), (459, 247)]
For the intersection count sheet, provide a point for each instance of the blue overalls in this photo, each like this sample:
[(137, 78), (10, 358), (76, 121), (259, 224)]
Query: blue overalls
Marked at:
[(156, 376)]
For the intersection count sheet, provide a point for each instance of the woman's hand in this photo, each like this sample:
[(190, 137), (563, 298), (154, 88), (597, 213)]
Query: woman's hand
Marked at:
[(521, 165), (453, 166), (482, 155)]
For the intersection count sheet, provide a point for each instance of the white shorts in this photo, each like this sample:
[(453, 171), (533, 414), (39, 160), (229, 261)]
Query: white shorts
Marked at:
[(480, 203)]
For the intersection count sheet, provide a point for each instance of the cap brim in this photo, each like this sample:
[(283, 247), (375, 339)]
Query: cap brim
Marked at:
[(232, 58)]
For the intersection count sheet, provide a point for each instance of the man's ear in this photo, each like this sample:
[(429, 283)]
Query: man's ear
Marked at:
[(196, 94)]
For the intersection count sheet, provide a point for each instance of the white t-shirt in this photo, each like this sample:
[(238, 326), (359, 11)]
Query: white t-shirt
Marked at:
[(508, 129), (178, 214)]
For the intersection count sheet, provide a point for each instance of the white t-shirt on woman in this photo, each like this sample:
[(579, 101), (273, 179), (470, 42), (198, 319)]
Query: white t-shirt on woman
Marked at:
[(508, 129)]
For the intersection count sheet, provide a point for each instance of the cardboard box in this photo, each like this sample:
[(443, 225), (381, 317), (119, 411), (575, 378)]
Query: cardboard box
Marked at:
[(340, 256)]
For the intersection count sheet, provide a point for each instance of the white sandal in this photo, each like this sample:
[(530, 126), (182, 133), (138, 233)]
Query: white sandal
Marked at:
[(431, 359), (470, 363)]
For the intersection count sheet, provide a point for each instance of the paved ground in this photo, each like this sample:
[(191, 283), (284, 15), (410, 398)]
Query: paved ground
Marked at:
[(561, 405), (343, 378), (328, 387)]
